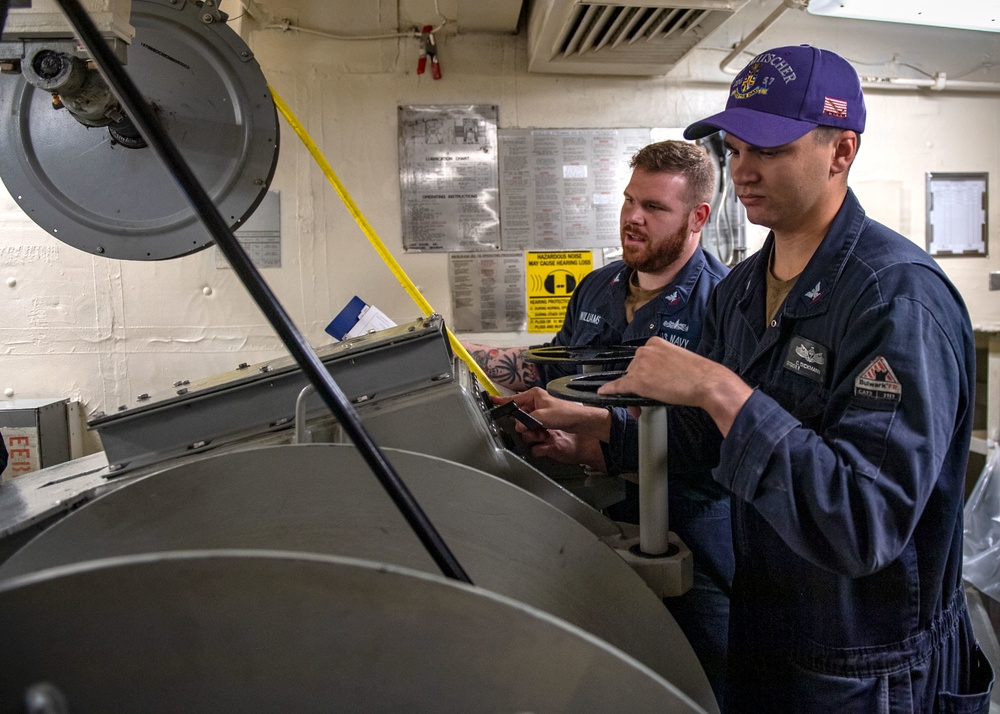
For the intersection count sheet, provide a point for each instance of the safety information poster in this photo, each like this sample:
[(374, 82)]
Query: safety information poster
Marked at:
[(487, 291), (551, 279), (561, 189), (448, 178)]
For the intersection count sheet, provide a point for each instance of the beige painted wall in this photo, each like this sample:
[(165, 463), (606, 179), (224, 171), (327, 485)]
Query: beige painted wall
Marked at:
[(103, 331)]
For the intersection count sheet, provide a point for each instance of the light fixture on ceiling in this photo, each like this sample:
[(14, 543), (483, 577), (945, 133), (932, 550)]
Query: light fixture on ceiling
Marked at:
[(960, 14)]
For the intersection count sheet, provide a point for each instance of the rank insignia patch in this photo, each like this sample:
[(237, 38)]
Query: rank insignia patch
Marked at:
[(877, 381), (814, 294)]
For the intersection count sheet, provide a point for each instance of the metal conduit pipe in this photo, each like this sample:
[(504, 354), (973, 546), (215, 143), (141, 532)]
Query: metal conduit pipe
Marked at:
[(302, 434), (784, 7), (939, 83)]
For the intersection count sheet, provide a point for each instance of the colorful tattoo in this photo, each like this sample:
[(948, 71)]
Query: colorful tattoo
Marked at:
[(506, 366)]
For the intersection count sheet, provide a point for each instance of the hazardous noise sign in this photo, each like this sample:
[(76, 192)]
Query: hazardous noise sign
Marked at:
[(552, 276)]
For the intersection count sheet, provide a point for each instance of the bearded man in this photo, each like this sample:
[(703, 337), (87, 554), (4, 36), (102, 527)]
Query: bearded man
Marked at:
[(659, 288)]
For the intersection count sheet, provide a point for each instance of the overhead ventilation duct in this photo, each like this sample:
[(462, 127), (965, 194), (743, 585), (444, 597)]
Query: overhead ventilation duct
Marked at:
[(573, 37)]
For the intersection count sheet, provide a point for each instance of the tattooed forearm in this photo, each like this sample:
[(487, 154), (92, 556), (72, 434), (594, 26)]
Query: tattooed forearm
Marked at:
[(505, 366)]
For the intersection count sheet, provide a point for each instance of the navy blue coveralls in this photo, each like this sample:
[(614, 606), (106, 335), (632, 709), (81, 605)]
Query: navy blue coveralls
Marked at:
[(698, 508), (846, 469)]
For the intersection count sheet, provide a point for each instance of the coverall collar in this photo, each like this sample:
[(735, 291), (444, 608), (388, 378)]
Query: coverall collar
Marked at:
[(810, 295)]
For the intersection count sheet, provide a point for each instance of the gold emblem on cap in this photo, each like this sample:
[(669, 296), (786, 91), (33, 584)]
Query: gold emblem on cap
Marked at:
[(747, 88)]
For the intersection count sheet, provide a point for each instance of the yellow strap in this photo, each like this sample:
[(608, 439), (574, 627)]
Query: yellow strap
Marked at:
[(379, 246)]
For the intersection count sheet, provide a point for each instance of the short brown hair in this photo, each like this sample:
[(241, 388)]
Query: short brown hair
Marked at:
[(826, 134), (680, 157)]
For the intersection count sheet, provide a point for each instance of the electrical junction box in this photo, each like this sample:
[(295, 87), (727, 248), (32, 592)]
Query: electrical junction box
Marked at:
[(36, 433)]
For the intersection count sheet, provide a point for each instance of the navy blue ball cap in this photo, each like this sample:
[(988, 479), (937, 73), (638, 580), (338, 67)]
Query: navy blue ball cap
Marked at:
[(784, 94)]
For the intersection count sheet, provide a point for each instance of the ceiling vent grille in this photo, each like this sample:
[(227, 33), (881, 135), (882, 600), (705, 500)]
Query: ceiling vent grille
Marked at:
[(568, 36)]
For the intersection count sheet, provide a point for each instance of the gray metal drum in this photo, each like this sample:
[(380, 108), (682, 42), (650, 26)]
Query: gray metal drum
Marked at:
[(324, 499), (224, 631)]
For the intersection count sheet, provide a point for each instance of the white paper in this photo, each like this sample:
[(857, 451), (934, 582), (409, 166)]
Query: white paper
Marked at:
[(370, 319)]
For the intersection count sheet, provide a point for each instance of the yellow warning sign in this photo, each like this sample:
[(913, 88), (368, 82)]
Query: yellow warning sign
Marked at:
[(551, 279)]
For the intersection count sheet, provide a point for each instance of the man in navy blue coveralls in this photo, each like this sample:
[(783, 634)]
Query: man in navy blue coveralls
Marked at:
[(663, 270), (832, 395), (660, 288)]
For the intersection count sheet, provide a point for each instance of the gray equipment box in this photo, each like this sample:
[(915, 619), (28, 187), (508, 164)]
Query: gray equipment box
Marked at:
[(36, 432)]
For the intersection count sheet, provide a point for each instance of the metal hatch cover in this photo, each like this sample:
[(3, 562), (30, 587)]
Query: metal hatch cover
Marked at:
[(103, 198)]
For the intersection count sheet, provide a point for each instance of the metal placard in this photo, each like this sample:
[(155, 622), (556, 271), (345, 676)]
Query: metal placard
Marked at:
[(448, 178), (260, 235)]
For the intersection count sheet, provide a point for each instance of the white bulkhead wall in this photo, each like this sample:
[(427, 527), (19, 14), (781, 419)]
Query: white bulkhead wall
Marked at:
[(104, 331)]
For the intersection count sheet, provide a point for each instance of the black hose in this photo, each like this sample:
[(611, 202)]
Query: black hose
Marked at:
[(145, 120)]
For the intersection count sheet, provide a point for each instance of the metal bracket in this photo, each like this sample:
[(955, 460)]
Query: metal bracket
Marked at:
[(210, 13)]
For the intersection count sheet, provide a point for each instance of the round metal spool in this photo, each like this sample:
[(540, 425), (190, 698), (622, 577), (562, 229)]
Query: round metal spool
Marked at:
[(269, 632), (324, 499), (105, 199)]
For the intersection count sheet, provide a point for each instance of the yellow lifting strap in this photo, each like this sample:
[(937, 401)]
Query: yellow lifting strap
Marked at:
[(373, 238)]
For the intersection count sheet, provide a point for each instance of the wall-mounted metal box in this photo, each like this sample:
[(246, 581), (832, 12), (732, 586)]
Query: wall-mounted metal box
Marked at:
[(36, 432)]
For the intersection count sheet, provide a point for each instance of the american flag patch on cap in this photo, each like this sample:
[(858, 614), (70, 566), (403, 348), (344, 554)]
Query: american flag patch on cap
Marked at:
[(835, 107)]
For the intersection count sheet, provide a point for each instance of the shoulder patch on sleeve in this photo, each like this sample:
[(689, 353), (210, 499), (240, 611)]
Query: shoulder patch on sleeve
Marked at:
[(877, 381)]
